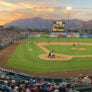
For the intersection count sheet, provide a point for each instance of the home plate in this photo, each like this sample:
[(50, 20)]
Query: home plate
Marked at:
[(30, 49)]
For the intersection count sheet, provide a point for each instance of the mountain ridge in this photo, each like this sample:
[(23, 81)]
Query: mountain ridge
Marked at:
[(39, 23)]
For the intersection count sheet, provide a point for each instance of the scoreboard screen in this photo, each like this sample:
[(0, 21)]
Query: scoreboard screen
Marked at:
[(58, 26)]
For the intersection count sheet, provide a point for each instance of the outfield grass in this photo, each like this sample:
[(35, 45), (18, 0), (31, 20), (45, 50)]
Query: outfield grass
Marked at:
[(26, 56)]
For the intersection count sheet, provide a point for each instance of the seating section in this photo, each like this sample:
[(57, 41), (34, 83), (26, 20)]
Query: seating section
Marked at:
[(8, 36), (11, 81)]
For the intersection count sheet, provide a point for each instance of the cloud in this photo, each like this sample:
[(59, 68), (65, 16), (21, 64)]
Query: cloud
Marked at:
[(36, 7), (6, 3), (22, 5), (83, 14)]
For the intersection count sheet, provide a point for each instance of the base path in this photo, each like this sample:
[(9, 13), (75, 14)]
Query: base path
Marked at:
[(6, 53)]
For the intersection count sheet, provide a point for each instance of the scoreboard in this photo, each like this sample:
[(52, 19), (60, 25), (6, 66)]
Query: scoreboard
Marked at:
[(58, 26)]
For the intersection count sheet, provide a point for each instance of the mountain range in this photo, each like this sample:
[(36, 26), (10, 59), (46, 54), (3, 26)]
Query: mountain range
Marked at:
[(39, 23)]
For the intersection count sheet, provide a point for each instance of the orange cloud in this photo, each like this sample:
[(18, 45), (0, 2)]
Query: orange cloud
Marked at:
[(14, 15), (6, 3), (36, 7)]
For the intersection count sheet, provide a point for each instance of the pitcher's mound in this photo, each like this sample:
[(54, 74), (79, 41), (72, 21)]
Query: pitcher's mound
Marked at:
[(57, 57), (78, 48)]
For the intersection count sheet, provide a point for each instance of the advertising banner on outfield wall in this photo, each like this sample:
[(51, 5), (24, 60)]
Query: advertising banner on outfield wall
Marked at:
[(81, 36), (85, 36), (88, 36), (64, 35), (53, 35), (68, 35), (77, 36), (36, 35), (59, 35), (73, 36)]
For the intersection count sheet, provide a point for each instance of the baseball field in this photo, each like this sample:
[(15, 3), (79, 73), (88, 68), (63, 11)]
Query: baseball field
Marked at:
[(72, 55)]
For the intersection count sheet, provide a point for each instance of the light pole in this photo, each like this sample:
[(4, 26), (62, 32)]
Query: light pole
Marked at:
[(68, 11)]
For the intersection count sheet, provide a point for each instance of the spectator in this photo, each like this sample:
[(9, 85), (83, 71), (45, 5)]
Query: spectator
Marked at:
[(5, 87)]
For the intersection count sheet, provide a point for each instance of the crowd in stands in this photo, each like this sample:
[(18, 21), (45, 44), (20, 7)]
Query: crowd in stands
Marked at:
[(84, 79), (10, 35), (15, 82)]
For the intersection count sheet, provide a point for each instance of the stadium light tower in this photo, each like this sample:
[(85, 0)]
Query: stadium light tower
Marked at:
[(69, 8), (68, 11)]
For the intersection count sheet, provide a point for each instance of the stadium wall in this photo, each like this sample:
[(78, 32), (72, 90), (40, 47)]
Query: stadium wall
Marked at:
[(63, 35)]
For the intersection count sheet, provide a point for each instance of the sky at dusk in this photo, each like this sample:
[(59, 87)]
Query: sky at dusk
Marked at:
[(11, 10)]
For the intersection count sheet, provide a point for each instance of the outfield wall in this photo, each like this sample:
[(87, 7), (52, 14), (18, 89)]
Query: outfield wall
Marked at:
[(63, 35), (71, 35)]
